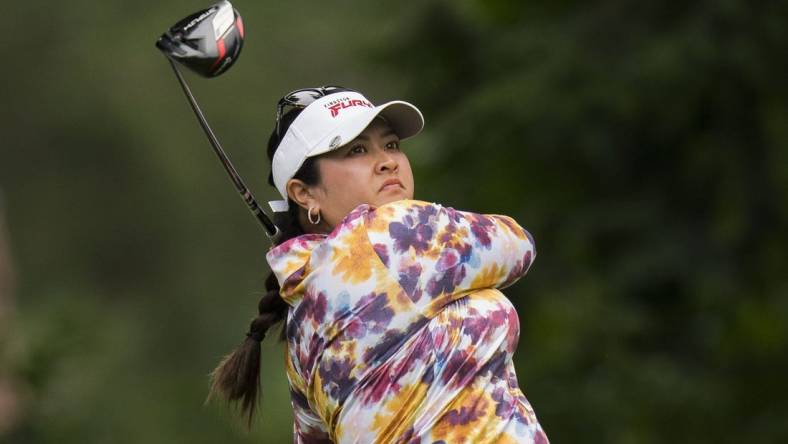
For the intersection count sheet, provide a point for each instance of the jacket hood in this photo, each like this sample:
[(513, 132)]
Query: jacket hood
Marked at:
[(290, 261)]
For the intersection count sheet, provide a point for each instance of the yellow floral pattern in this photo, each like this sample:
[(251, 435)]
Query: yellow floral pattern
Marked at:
[(397, 330)]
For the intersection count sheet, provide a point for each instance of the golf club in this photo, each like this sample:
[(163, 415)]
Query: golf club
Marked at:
[(208, 42)]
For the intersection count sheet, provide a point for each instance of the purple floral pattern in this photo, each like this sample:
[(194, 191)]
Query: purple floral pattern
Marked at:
[(398, 332)]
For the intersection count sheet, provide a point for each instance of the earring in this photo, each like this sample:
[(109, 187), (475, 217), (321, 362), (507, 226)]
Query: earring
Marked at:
[(309, 216)]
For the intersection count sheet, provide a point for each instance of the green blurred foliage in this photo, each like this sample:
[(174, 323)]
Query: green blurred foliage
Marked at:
[(644, 146)]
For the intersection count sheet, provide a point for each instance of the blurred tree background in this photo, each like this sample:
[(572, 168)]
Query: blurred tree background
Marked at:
[(645, 146)]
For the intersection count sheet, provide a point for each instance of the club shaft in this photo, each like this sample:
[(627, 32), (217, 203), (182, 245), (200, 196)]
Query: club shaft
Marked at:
[(246, 195)]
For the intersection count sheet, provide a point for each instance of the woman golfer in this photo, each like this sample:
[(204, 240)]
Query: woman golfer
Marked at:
[(395, 327)]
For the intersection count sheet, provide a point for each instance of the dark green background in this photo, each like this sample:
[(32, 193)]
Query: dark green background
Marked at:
[(644, 145)]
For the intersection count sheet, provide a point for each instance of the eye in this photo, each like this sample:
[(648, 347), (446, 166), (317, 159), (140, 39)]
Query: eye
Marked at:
[(393, 145), (357, 149)]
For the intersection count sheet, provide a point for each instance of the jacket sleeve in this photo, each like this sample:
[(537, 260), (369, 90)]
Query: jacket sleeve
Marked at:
[(435, 251), (308, 428)]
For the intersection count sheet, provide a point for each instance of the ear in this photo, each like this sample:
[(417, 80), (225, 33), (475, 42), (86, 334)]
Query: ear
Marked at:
[(300, 193)]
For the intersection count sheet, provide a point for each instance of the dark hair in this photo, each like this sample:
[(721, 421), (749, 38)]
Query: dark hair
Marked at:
[(237, 377)]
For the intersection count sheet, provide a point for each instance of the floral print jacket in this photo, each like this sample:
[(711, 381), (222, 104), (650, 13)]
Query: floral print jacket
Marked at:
[(397, 331)]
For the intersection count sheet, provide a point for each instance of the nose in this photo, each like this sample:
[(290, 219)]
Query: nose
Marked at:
[(386, 162)]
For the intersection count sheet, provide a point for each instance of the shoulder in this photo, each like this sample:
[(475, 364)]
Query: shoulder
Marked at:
[(402, 212), (376, 218)]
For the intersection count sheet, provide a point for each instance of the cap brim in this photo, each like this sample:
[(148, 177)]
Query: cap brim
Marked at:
[(405, 119)]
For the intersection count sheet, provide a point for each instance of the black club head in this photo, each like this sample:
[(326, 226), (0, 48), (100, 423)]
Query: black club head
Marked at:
[(207, 42)]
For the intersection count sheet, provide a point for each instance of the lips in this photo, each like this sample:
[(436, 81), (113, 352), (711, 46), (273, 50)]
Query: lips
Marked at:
[(391, 182)]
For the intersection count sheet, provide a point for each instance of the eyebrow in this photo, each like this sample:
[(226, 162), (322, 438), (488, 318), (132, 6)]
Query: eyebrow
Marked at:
[(388, 133)]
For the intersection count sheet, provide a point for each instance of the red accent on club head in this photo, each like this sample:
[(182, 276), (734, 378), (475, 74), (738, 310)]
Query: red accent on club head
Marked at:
[(222, 52), (240, 25)]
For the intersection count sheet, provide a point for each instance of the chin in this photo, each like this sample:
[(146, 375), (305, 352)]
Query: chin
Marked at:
[(390, 199), (392, 195)]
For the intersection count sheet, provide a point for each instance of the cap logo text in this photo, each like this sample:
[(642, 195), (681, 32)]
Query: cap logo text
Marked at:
[(337, 107)]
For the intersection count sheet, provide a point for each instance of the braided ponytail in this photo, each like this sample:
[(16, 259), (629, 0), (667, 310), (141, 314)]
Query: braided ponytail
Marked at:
[(237, 377)]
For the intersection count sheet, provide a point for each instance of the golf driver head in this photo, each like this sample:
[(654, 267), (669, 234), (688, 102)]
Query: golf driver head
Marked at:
[(207, 42)]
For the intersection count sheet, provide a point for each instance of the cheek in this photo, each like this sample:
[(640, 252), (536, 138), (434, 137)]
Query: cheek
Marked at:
[(406, 174), (343, 185), (337, 178)]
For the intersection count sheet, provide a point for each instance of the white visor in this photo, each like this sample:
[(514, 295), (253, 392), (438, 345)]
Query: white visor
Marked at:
[(329, 123)]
